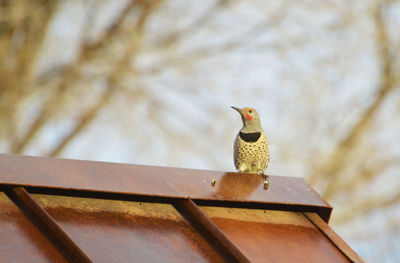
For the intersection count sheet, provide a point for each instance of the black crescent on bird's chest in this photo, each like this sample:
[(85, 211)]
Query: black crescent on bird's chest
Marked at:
[(250, 137)]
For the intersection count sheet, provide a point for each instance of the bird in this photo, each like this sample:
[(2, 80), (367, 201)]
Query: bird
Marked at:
[(250, 149)]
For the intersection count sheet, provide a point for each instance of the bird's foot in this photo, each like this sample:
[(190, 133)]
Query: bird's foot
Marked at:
[(265, 176)]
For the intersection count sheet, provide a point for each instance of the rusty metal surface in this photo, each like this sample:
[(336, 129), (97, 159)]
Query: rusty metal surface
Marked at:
[(284, 192), (333, 237), (37, 215), (20, 240), (115, 227), (274, 236), (209, 231), (121, 231)]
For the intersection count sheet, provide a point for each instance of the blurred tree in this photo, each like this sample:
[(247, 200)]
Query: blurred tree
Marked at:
[(152, 81)]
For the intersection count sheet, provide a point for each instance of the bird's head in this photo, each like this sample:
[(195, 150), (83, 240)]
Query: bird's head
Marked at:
[(250, 118)]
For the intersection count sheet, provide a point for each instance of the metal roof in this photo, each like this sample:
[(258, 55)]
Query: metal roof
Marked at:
[(60, 210)]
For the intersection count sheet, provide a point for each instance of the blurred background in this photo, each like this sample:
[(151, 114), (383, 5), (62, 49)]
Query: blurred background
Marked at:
[(152, 82)]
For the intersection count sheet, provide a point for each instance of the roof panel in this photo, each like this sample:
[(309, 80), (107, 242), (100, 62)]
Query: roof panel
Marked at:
[(157, 181), (264, 235), (94, 213), (122, 231), (20, 240)]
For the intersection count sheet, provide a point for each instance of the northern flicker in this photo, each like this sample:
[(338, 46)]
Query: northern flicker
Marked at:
[(251, 154)]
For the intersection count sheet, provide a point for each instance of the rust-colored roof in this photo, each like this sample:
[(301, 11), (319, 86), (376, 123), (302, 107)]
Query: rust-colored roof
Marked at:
[(59, 210)]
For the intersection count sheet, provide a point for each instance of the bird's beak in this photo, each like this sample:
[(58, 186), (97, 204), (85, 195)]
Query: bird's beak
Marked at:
[(237, 109)]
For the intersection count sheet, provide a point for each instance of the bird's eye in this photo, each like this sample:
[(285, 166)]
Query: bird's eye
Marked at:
[(250, 111)]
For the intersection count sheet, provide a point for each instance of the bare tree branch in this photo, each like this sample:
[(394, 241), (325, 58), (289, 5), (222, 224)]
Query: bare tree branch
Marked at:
[(176, 37), (68, 77), (83, 122), (230, 45), (339, 156), (366, 174), (112, 80), (368, 206), (24, 26)]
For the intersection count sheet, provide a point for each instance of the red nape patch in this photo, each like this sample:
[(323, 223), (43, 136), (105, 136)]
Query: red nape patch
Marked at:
[(249, 117)]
